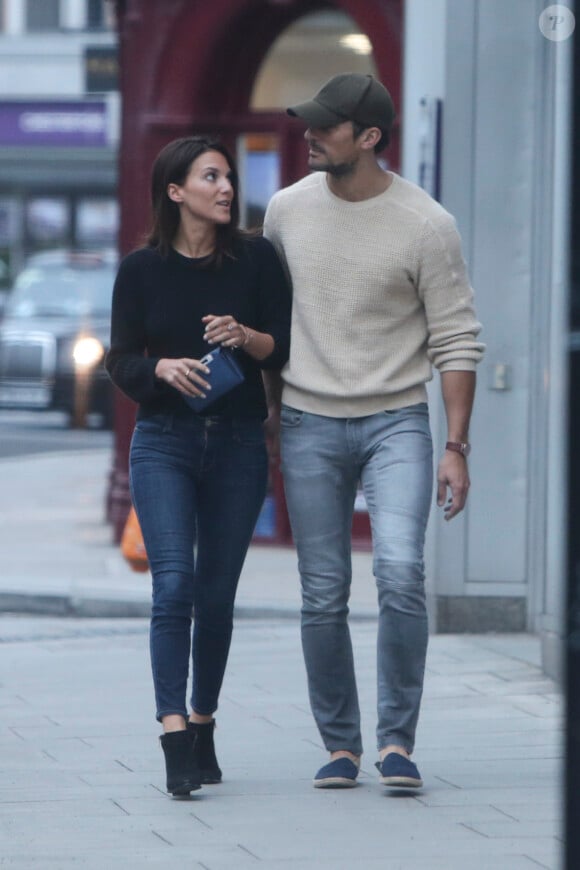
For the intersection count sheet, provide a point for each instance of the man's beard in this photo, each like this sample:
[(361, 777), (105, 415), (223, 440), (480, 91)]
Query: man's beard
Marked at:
[(341, 170), (337, 170)]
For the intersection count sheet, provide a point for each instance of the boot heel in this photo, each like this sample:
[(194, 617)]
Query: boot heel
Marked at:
[(204, 749), (181, 765)]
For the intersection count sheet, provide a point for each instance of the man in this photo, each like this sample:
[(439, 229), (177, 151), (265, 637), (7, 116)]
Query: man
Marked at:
[(380, 294)]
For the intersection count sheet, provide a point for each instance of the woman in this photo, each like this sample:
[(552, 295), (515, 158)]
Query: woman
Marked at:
[(197, 478)]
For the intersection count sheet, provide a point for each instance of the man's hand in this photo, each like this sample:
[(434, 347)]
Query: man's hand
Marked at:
[(458, 388), (272, 431), (452, 473), (273, 388)]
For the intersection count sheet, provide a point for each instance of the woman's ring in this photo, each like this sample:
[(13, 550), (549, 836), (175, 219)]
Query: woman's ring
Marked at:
[(230, 327), (188, 372)]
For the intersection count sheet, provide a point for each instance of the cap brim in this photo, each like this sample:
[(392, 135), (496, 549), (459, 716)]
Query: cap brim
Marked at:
[(315, 114)]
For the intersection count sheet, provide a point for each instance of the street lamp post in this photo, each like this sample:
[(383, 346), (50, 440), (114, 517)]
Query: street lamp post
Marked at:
[(572, 619), (572, 633)]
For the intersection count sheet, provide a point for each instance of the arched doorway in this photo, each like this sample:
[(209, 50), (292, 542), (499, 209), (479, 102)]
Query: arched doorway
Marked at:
[(195, 66), (313, 48)]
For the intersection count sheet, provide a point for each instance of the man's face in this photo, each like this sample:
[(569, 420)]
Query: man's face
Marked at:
[(333, 149)]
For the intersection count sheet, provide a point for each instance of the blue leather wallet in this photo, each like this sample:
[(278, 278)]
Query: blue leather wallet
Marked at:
[(224, 374)]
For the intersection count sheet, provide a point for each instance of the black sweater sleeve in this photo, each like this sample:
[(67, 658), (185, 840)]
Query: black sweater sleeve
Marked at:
[(128, 366), (274, 304)]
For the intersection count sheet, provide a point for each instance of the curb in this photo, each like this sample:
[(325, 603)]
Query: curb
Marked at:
[(70, 605), (110, 608)]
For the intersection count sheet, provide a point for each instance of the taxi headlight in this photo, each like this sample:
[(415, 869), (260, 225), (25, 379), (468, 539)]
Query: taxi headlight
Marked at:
[(87, 352)]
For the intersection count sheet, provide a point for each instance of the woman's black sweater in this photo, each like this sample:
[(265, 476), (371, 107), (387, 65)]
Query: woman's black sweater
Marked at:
[(158, 304)]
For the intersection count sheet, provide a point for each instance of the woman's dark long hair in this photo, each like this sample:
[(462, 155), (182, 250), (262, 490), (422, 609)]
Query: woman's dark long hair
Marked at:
[(172, 166)]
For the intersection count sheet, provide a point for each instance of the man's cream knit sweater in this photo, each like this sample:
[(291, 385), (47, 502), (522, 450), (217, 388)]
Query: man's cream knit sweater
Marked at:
[(380, 293)]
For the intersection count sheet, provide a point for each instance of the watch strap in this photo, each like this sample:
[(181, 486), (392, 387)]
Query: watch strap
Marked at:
[(462, 447)]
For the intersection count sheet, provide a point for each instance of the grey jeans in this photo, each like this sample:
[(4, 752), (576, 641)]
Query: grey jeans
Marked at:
[(323, 460)]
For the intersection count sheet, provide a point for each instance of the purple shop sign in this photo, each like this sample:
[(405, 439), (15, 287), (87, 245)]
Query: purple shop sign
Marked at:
[(80, 123)]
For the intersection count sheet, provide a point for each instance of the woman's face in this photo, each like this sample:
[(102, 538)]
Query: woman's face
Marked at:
[(207, 193)]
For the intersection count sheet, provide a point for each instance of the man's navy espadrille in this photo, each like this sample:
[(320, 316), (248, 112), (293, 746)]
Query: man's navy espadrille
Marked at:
[(340, 773), (398, 772)]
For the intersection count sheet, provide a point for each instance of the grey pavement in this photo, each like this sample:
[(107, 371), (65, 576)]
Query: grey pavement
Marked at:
[(81, 779), (58, 555)]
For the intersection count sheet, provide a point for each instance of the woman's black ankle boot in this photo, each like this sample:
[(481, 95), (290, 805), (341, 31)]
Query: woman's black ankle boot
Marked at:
[(204, 749), (180, 762)]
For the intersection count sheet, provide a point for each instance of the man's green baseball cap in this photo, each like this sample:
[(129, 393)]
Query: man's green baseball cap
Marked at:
[(348, 97)]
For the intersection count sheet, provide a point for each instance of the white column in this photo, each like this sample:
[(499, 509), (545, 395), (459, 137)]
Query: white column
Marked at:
[(14, 17), (423, 72), (553, 623), (423, 76), (73, 14)]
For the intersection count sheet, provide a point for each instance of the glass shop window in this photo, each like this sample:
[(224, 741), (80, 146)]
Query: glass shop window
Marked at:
[(97, 222), (259, 168), (99, 14), (42, 15), (48, 222)]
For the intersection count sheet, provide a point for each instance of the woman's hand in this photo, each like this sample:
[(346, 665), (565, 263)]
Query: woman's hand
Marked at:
[(224, 330), (184, 374)]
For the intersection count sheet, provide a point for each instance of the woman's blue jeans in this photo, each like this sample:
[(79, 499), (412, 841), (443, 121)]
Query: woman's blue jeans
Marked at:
[(196, 482), (323, 461)]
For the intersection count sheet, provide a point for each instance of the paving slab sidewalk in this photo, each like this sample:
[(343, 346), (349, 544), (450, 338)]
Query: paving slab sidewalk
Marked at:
[(81, 781)]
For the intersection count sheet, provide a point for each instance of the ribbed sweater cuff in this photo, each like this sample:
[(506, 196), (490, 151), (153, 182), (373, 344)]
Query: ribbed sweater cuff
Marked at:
[(353, 406)]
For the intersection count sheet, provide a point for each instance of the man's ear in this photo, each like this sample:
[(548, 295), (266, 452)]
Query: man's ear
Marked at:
[(370, 137), (174, 192)]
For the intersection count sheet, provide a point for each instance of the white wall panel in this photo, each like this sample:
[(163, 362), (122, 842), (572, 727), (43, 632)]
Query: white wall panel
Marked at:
[(504, 167), (423, 72), (502, 262)]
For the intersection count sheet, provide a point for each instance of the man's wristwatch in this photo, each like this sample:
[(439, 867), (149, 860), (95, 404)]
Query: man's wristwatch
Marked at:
[(459, 447)]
